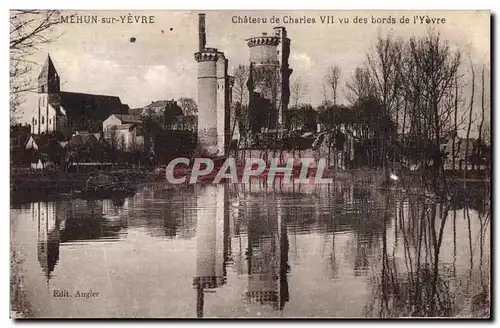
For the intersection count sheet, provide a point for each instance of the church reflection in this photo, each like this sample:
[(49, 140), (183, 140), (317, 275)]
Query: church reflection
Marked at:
[(73, 221)]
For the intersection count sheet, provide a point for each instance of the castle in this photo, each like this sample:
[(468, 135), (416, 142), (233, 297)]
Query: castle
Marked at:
[(268, 86)]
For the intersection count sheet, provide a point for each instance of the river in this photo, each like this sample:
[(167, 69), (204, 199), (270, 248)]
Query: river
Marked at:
[(339, 250)]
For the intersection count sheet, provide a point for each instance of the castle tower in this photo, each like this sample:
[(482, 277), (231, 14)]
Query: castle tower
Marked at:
[(45, 119), (207, 100), (283, 91), (213, 96), (222, 86), (270, 76)]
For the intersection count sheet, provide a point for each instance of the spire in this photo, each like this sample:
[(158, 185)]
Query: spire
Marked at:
[(48, 79), (48, 68)]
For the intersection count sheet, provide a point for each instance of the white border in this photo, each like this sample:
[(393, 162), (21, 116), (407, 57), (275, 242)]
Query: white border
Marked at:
[(190, 4)]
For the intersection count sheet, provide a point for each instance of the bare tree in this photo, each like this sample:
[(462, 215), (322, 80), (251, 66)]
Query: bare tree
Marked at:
[(383, 67), (298, 89), (240, 90), (332, 80), (29, 29), (469, 124), (432, 77), (359, 86)]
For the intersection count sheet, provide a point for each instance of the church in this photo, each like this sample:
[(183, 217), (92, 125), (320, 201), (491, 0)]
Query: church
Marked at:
[(61, 113)]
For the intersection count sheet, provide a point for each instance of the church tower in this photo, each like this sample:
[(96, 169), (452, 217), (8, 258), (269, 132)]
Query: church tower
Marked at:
[(45, 119)]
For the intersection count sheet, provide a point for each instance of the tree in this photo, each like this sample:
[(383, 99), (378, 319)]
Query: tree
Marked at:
[(359, 86), (188, 106), (240, 90), (302, 117), (298, 89), (332, 80), (29, 29)]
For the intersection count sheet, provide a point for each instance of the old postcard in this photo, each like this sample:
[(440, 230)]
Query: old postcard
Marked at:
[(244, 164)]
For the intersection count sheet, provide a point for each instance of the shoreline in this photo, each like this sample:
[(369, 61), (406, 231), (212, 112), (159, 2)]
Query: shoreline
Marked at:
[(26, 186)]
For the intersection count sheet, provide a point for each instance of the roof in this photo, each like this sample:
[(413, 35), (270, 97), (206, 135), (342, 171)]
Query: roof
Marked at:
[(40, 140), (159, 106), (79, 140), (83, 109), (135, 111), (128, 118), (43, 142), (48, 69)]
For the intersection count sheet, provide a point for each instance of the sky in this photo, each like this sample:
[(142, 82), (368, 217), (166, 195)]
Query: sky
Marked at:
[(101, 59)]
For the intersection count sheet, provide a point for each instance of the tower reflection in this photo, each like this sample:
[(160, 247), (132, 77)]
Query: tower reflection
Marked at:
[(212, 234), (267, 257)]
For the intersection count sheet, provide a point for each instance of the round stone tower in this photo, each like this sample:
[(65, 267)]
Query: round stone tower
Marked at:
[(207, 100), (263, 50)]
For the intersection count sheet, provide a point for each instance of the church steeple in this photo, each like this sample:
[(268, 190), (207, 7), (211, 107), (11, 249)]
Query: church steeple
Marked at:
[(48, 80)]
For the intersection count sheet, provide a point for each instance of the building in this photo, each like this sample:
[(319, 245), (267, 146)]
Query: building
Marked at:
[(124, 132), (162, 108), (269, 78), (44, 151), (62, 113), (214, 96)]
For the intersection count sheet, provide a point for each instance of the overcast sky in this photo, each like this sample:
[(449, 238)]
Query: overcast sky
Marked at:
[(100, 59)]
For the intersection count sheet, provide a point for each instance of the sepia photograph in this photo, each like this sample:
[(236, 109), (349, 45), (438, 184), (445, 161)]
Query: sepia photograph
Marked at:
[(250, 164)]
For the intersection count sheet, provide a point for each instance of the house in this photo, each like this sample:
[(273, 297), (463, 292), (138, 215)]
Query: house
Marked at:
[(62, 113), (84, 146), (462, 147), (124, 132), (43, 151), (117, 119)]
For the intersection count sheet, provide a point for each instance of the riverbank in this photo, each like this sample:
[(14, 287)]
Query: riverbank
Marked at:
[(28, 185)]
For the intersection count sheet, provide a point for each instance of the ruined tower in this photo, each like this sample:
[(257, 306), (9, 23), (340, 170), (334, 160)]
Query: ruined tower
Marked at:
[(270, 75), (214, 90)]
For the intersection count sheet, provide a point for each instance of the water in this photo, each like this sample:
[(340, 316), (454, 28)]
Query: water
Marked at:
[(337, 250)]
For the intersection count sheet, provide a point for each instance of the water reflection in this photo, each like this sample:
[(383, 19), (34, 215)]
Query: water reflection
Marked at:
[(267, 256), (212, 241), (60, 223), (424, 283), (276, 250)]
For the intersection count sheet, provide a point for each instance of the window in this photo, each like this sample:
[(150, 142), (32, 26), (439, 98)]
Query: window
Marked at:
[(36, 122), (43, 88), (43, 119), (50, 121)]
